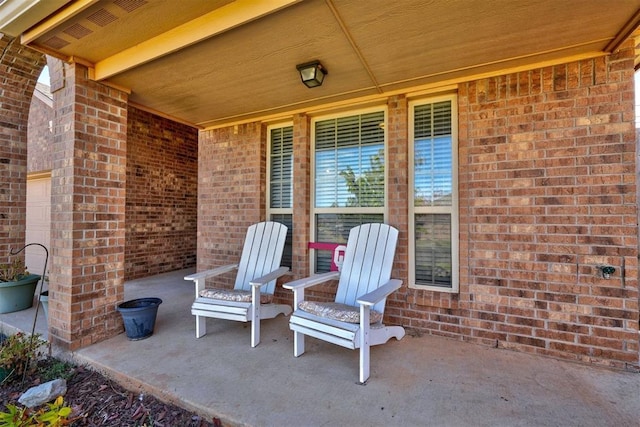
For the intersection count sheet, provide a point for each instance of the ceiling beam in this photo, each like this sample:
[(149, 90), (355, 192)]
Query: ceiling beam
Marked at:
[(624, 33), (216, 22)]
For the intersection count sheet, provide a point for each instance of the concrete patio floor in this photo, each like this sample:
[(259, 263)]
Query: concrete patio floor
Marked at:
[(418, 381)]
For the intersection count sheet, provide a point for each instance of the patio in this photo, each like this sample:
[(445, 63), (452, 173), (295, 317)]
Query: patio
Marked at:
[(417, 381)]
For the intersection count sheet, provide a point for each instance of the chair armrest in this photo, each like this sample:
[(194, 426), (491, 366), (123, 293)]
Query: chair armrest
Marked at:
[(260, 281), (209, 273), (381, 293), (298, 286), (311, 280), (201, 277)]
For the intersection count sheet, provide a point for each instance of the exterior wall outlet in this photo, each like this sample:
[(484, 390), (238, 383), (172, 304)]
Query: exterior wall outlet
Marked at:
[(607, 271)]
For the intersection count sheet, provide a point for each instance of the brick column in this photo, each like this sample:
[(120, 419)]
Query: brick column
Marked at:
[(398, 194), (88, 210), (301, 192), (19, 70)]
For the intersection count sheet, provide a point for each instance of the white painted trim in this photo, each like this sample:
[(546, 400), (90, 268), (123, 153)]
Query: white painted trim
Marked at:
[(453, 210)]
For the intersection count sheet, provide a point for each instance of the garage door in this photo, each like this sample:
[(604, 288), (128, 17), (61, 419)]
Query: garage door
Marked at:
[(38, 221)]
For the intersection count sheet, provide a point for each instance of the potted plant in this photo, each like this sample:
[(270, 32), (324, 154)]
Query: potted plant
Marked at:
[(18, 354), (17, 286)]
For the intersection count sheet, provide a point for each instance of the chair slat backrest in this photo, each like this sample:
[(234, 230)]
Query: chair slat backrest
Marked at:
[(368, 261), (261, 254)]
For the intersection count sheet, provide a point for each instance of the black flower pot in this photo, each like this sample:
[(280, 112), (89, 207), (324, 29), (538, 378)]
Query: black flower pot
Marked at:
[(139, 317)]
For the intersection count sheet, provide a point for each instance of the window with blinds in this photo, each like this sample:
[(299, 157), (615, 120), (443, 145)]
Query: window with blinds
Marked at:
[(280, 185), (349, 177), (434, 222)]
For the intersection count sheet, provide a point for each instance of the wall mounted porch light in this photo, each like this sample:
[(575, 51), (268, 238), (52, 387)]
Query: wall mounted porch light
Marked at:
[(312, 73)]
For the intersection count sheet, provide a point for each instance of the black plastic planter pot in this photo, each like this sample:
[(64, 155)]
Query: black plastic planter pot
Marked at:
[(139, 316)]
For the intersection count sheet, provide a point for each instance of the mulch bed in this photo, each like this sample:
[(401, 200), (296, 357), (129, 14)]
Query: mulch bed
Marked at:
[(98, 401)]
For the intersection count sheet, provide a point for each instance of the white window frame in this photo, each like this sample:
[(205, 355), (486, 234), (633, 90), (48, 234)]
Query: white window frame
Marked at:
[(375, 210), (269, 210), (452, 210)]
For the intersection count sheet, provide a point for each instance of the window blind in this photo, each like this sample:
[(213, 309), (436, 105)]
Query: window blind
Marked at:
[(433, 194), (433, 249), (281, 176), (335, 228), (287, 253), (349, 165), (281, 185), (349, 176), (433, 155)]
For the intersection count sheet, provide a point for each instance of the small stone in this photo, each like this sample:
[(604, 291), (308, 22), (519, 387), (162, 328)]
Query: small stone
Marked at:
[(43, 393)]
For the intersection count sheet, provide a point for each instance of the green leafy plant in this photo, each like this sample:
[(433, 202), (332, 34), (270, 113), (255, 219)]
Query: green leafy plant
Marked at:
[(55, 368), (54, 414), (19, 354), (14, 416), (13, 271)]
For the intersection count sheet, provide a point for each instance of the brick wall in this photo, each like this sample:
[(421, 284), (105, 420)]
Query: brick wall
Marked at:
[(398, 204), (301, 191), (231, 191), (161, 207), (40, 131), (547, 192), (19, 67), (161, 192)]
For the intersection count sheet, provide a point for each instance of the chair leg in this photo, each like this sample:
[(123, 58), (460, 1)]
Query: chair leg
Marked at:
[(365, 356), (255, 323), (298, 343), (365, 349), (201, 326)]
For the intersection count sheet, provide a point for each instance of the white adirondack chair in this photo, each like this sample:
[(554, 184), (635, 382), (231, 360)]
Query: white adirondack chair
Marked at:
[(257, 272), (364, 284)]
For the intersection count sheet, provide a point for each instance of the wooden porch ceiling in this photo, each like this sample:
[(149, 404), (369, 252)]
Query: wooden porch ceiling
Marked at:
[(214, 62)]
